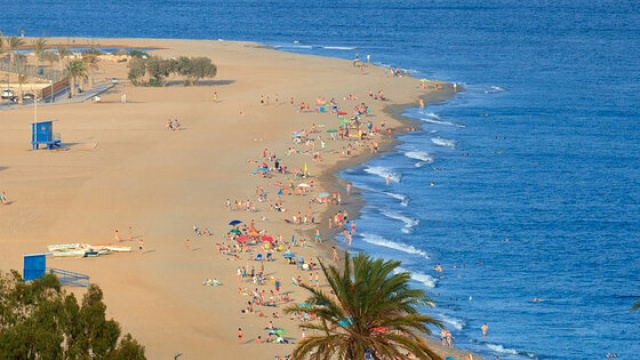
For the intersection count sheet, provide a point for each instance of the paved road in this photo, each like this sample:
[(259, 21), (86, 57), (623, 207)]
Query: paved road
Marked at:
[(62, 97)]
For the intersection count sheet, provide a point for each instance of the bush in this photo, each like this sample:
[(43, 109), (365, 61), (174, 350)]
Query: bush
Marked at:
[(93, 51), (139, 54), (120, 52)]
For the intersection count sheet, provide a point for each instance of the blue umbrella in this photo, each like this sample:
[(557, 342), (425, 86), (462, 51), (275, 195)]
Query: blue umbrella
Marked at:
[(288, 255), (263, 169), (235, 222)]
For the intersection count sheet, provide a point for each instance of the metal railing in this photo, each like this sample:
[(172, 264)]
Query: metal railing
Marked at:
[(70, 277)]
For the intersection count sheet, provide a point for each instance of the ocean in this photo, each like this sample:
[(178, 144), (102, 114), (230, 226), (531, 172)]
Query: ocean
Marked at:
[(534, 166)]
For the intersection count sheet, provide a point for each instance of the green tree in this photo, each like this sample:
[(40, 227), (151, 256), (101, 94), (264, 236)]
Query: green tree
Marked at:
[(39, 45), (38, 320), (91, 64), (184, 67), (22, 78), (75, 70), (137, 70), (373, 309), (14, 43), (158, 69), (62, 53), (202, 68)]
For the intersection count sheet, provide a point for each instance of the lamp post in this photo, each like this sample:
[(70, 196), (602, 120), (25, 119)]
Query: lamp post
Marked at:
[(51, 94)]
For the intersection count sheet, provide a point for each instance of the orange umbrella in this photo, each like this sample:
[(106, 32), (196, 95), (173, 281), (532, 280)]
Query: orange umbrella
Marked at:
[(243, 238), (267, 238)]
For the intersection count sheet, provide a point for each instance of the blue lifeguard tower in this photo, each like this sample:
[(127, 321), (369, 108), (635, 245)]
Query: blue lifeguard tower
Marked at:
[(35, 266), (42, 134)]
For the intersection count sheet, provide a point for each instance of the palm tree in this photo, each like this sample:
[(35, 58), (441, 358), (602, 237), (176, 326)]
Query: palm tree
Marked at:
[(373, 310), (91, 64), (62, 52), (14, 43), (22, 78), (38, 47), (75, 70)]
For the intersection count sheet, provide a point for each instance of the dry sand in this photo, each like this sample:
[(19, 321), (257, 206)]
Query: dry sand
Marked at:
[(125, 168)]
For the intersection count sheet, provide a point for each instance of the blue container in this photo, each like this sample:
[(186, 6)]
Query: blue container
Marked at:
[(34, 266)]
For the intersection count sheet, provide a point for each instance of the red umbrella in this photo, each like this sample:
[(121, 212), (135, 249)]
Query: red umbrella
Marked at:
[(342, 113), (243, 238), (267, 238)]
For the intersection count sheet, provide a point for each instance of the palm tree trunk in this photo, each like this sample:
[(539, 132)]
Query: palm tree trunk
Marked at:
[(72, 85), (90, 77), (21, 98)]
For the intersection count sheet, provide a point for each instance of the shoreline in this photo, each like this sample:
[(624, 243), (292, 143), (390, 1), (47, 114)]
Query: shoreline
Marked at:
[(90, 184)]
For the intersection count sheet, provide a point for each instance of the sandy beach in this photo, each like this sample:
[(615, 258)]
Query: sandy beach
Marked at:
[(125, 168)]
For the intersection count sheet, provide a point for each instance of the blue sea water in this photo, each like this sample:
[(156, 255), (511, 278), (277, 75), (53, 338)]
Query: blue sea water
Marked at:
[(541, 149)]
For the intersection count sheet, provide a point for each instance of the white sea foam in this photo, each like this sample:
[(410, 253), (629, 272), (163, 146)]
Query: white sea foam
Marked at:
[(383, 172), (337, 47), (419, 155), (409, 223), (493, 89), (502, 349), (433, 115), (381, 241), (455, 323), (404, 199), (425, 279), (444, 142), (438, 122)]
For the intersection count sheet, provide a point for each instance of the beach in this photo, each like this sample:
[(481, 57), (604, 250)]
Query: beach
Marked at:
[(125, 169)]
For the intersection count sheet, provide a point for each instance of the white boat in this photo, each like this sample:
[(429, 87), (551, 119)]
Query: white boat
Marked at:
[(116, 248), (56, 247), (69, 253)]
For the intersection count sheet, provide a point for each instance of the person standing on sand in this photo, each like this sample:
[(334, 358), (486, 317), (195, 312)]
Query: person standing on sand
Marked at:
[(130, 235), (116, 237), (187, 245), (335, 254), (215, 96), (140, 244), (240, 335), (484, 329), (443, 337)]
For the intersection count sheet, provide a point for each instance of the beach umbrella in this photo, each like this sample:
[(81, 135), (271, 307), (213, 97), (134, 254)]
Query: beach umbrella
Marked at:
[(235, 231), (297, 134), (342, 113), (304, 305), (254, 234), (324, 194), (280, 332), (304, 185), (263, 169), (332, 130), (242, 238), (235, 222), (288, 255), (267, 238)]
